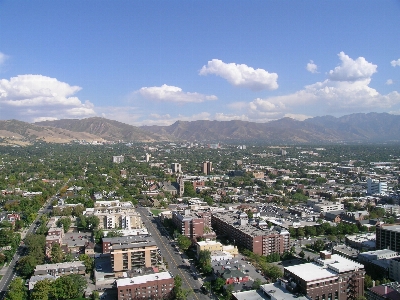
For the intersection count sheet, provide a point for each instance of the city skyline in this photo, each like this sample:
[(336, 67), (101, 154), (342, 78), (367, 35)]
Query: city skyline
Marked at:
[(156, 62)]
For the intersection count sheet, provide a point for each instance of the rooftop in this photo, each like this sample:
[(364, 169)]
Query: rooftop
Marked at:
[(143, 279)]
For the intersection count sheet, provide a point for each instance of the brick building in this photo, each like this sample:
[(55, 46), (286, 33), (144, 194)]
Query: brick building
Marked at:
[(328, 278), (151, 286), (261, 241), (193, 224)]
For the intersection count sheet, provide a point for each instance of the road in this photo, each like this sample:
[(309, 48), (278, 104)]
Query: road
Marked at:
[(177, 264), (10, 272)]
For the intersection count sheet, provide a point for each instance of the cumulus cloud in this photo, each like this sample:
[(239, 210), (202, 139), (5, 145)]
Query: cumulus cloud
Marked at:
[(346, 90), (389, 82), (311, 67), (241, 75), (395, 63), (3, 58), (352, 70), (298, 117), (32, 97), (168, 93)]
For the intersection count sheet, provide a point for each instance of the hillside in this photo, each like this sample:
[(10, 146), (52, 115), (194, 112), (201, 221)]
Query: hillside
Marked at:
[(106, 129), (355, 128)]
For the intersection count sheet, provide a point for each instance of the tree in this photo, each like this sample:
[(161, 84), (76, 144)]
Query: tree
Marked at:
[(95, 295), (57, 255), (41, 290), (87, 261), (184, 242), (68, 287), (65, 223), (205, 261), (26, 265), (257, 283), (219, 283), (302, 254), (179, 292), (98, 235), (189, 190), (16, 290), (249, 214)]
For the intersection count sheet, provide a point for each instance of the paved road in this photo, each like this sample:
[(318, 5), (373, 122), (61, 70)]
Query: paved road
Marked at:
[(10, 273), (177, 264)]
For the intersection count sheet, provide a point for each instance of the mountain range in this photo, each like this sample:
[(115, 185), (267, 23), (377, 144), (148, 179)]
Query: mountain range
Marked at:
[(354, 128)]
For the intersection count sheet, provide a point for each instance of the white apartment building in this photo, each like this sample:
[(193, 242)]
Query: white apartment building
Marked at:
[(376, 186), (324, 206)]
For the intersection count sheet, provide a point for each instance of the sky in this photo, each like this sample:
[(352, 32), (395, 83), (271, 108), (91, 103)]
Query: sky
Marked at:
[(145, 62)]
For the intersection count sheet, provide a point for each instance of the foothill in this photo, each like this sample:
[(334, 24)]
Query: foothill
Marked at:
[(199, 221)]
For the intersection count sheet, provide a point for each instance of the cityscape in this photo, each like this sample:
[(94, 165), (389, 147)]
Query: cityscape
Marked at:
[(195, 150), (199, 221)]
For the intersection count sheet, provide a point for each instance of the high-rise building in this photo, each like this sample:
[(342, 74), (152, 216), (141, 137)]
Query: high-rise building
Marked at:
[(207, 168), (388, 237), (376, 186), (176, 168)]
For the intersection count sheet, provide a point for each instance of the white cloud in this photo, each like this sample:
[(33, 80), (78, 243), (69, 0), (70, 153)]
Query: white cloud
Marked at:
[(352, 70), (389, 82), (395, 63), (230, 117), (169, 93), (311, 67), (346, 90), (298, 117), (3, 58), (42, 119), (30, 97), (241, 75)]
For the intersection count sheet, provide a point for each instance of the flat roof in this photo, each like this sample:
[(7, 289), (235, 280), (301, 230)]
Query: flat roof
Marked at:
[(311, 271), (277, 292), (143, 279), (60, 265)]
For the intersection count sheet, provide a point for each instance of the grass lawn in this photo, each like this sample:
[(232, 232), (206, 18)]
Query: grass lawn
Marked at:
[(1, 276), (156, 212)]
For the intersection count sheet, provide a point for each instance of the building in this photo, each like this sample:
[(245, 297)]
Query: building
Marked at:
[(176, 168), (151, 286), (73, 267), (367, 257), (329, 277), (235, 226), (376, 186), (54, 235), (118, 159), (383, 292), (131, 252), (388, 237), (206, 167), (216, 248), (324, 206), (116, 214), (193, 224)]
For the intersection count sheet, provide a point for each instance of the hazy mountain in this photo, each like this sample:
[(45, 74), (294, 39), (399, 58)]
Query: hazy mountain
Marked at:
[(361, 128), (107, 129)]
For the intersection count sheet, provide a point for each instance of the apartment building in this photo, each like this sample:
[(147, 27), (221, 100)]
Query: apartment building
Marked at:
[(260, 241), (116, 214), (324, 206), (206, 168), (131, 252), (331, 277), (74, 267), (376, 186), (193, 224), (388, 237), (150, 286)]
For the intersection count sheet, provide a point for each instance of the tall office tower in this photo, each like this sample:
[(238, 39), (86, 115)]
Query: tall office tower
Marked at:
[(207, 168), (176, 168)]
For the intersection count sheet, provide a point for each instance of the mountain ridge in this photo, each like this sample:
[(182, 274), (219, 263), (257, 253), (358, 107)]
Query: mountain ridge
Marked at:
[(353, 128)]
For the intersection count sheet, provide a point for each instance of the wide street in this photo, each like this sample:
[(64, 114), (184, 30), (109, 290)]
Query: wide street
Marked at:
[(177, 265)]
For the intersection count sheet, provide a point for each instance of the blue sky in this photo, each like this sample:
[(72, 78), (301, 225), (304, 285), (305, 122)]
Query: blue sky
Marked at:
[(156, 62)]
